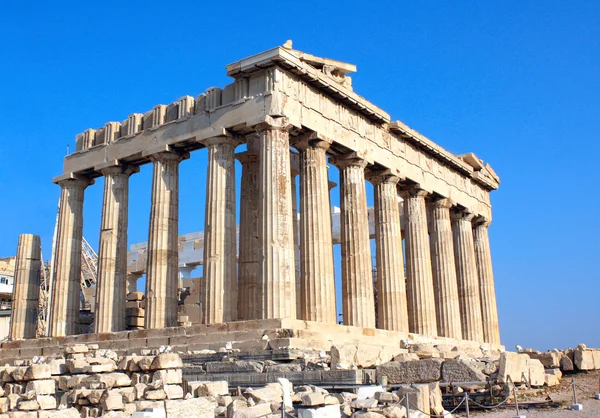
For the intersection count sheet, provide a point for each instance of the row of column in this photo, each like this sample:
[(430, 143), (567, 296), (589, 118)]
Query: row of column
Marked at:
[(265, 285)]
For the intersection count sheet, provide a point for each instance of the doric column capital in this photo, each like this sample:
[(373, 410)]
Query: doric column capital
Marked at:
[(461, 215), (381, 176), (75, 182), (117, 168), (246, 157), (304, 142), (413, 191), (348, 160), (168, 156), (223, 140), (270, 123), (444, 203), (481, 221)]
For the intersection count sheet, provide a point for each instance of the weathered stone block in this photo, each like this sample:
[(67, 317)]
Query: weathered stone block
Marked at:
[(416, 371), (166, 361), (553, 377), (312, 399), (513, 365), (328, 411), (461, 371), (256, 411), (42, 387), (191, 408), (217, 388), (536, 372), (38, 371)]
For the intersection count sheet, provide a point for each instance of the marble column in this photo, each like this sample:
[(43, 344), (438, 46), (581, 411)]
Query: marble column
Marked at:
[(316, 263), (112, 254), (161, 276), (276, 271), (358, 302), (64, 312), (219, 290), (444, 270), (466, 272), (295, 223), (487, 291), (419, 284), (248, 282), (26, 294), (392, 310)]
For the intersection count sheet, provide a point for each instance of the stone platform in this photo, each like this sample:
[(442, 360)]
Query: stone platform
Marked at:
[(277, 335)]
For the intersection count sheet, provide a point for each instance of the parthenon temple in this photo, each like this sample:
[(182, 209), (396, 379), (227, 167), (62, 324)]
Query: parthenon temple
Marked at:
[(430, 217)]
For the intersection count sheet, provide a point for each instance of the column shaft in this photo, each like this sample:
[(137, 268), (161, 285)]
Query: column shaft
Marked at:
[(248, 282), (489, 311), (161, 275), (358, 302), (392, 310), (444, 271), (219, 300), (64, 314), (316, 248), (112, 254), (421, 299), (296, 227), (276, 271), (26, 294), (466, 272)]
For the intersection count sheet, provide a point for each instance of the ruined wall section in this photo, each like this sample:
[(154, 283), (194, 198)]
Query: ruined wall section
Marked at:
[(307, 107), (185, 124)]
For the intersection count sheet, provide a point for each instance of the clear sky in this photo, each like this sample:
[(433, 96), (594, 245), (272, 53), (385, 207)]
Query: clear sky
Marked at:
[(517, 83)]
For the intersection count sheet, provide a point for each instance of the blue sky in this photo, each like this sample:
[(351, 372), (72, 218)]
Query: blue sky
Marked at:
[(517, 83)]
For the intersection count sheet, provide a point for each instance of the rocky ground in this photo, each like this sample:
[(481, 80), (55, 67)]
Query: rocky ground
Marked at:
[(587, 386)]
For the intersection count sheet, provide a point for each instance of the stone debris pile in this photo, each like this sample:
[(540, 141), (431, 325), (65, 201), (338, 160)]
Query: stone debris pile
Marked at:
[(91, 382)]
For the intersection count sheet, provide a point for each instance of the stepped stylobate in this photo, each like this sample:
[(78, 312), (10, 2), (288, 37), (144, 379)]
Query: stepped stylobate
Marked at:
[(279, 99)]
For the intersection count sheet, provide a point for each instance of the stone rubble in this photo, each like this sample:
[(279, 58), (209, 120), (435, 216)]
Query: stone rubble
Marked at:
[(86, 381)]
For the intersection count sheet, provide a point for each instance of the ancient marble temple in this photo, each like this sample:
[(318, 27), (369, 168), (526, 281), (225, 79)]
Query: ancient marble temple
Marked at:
[(434, 272)]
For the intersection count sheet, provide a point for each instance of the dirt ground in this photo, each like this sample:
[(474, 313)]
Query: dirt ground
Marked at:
[(587, 385)]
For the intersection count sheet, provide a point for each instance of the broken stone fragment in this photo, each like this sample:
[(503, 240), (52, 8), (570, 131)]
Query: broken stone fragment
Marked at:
[(312, 399), (553, 377), (364, 403), (46, 402), (166, 361), (38, 371), (42, 387), (191, 408), (173, 391), (155, 395), (256, 411), (112, 401), (461, 370), (217, 388), (386, 397)]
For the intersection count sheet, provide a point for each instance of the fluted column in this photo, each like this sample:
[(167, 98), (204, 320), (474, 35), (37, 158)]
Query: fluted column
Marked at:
[(419, 284), (64, 314), (466, 272), (112, 254), (26, 294), (219, 290), (161, 276), (487, 290), (276, 272), (392, 311), (316, 249), (248, 282), (296, 227), (358, 302), (444, 270)]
